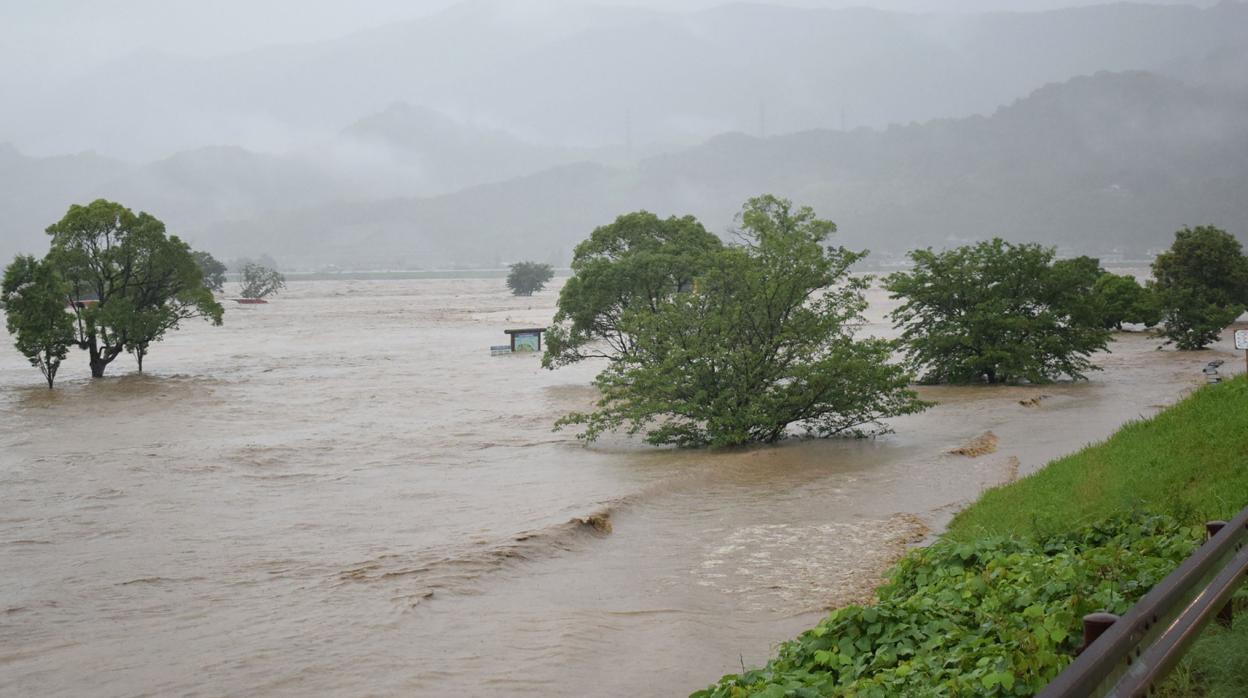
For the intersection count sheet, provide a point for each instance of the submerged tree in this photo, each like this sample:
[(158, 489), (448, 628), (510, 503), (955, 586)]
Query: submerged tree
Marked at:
[(1123, 300), (33, 299), (261, 282), (763, 337), (527, 278), (636, 263), (213, 271), (1201, 283), (128, 282), (998, 312)]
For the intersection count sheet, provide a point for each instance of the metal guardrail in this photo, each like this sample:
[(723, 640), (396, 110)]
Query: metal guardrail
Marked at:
[(1127, 657)]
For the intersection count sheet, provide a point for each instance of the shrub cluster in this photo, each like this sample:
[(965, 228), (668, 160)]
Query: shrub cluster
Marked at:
[(997, 617)]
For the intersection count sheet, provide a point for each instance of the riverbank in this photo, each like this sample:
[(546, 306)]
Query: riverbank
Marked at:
[(999, 596), (349, 495), (1189, 462)]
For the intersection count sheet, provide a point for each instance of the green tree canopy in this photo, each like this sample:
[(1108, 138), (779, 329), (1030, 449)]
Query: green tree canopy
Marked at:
[(1122, 299), (998, 312), (527, 278), (763, 337), (635, 263), (34, 302), (1201, 284), (261, 282), (213, 271), (129, 283)]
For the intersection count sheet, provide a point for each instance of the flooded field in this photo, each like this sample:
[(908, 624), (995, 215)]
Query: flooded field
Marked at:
[(343, 493)]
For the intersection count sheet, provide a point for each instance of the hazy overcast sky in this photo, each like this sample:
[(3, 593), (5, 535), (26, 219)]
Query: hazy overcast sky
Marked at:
[(48, 38)]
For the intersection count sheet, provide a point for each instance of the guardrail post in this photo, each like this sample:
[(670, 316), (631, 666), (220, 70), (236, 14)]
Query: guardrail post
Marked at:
[(1226, 616), (1095, 625), (1151, 637)]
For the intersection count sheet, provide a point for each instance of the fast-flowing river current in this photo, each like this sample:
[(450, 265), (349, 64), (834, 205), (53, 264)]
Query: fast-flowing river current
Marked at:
[(343, 493)]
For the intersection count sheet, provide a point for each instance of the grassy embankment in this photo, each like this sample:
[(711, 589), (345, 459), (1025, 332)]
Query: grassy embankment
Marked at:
[(993, 607), (1189, 462)]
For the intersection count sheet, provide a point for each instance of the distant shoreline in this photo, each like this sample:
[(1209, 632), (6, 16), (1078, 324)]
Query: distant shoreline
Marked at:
[(398, 275)]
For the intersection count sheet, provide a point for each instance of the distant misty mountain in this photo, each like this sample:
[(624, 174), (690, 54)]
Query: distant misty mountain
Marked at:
[(403, 150), (34, 193), (1223, 67), (414, 150), (572, 74), (218, 182), (1114, 160), (450, 140), (199, 186)]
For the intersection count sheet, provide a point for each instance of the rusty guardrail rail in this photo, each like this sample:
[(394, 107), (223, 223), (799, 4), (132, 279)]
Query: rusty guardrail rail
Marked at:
[(1129, 656)]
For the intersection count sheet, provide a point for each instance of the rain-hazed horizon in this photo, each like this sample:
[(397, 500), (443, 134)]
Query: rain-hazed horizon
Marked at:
[(226, 122), (67, 44)]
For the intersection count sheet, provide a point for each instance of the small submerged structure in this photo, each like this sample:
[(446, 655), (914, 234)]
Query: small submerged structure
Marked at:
[(1211, 371), (524, 340), (251, 301)]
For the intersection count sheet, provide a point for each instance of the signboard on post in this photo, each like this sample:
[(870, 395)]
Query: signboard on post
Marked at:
[(526, 340), (1241, 342)]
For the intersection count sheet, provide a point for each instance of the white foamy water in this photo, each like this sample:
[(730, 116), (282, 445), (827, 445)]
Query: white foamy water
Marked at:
[(343, 493)]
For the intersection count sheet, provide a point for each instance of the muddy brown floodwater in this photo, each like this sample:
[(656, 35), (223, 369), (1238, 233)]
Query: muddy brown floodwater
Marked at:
[(343, 493)]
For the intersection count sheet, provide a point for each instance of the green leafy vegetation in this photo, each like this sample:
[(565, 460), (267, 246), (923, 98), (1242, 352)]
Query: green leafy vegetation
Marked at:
[(261, 282), (113, 281), (995, 606), (1188, 461), (1202, 285), (1123, 300), (33, 298), (763, 337), (629, 266), (1217, 664), (213, 271), (128, 282), (527, 278), (998, 312), (993, 617)]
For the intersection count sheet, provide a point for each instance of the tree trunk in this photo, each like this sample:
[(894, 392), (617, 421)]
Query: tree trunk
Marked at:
[(98, 362), (139, 355)]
